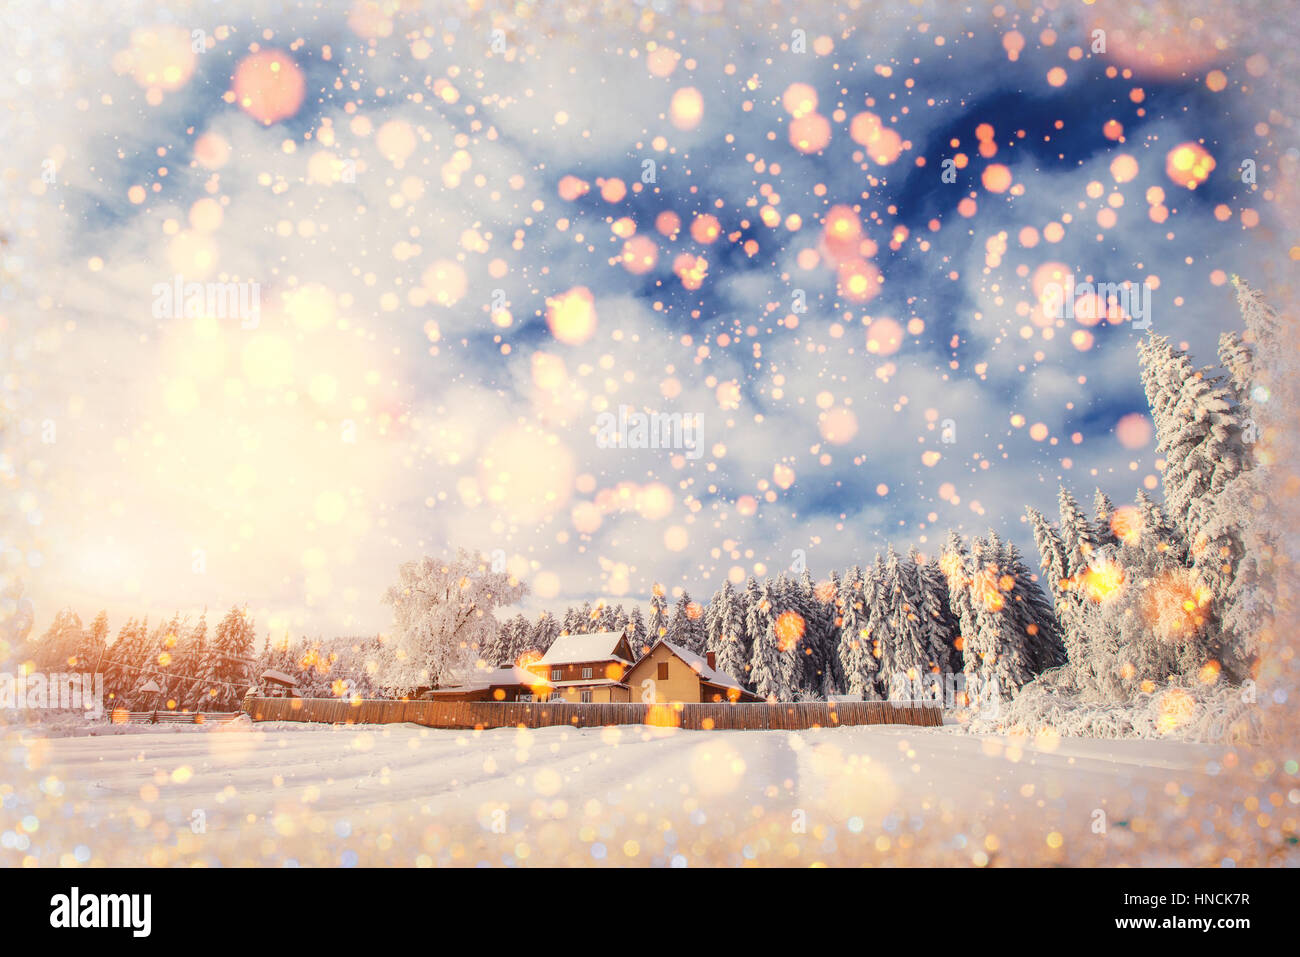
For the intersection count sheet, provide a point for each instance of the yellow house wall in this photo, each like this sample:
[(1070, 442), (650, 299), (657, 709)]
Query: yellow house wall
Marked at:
[(682, 683), (598, 695)]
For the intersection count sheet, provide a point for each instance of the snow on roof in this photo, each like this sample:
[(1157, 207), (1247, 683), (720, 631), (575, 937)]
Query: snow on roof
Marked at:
[(574, 649), (514, 675), (700, 665), (494, 677), (270, 674)]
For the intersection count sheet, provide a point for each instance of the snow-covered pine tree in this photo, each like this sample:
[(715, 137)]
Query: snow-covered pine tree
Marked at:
[(955, 562), (773, 663), (903, 657), (1241, 526), (1103, 510), (720, 634), (712, 620), (91, 651), (818, 617), (277, 655), (1202, 436), (828, 594), (1255, 360), (880, 624), (513, 640), (1078, 535), (1237, 357), (1042, 632), (57, 648), (230, 670), (577, 620), (637, 633), (192, 653), (1199, 434), (686, 625), (545, 630), (1156, 531), (657, 624), (998, 659), (160, 667), (123, 661), (857, 664), (1055, 568), (938, 625)]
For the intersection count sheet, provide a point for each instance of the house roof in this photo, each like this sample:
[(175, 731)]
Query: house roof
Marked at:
[(699, 664), (514, 675), (270, 674), (574, 649), (479, 679)]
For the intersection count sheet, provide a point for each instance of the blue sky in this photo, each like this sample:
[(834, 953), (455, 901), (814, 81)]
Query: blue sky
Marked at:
[(182, 438)]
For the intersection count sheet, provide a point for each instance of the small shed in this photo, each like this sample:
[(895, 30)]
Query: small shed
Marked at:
[(149, 693), (276, 684)]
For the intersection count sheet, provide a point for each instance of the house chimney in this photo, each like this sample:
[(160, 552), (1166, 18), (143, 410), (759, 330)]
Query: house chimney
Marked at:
[(709, 657)]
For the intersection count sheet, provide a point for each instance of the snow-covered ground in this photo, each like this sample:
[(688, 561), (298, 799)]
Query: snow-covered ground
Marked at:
[(275, 794)]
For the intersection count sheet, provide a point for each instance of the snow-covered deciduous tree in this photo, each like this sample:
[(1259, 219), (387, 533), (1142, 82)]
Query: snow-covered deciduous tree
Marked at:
[(442, 617)]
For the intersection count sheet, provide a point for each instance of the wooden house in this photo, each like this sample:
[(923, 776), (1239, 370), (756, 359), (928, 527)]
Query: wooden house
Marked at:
[(507, 683), (669, 673), (586, 668)]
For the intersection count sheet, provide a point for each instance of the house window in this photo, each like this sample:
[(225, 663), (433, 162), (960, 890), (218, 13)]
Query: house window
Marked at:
[(556, 674), (524, 697), (663, 671), (586, 672), (586, 695)]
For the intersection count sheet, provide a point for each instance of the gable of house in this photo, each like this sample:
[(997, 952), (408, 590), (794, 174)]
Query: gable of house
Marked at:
[(676, 674)]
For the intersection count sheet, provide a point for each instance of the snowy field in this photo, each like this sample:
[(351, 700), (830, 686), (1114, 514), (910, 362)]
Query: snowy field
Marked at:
[(277, 794)]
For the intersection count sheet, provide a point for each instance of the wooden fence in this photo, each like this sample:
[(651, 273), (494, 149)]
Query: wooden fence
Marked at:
[(122, 716), (782, 716)]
